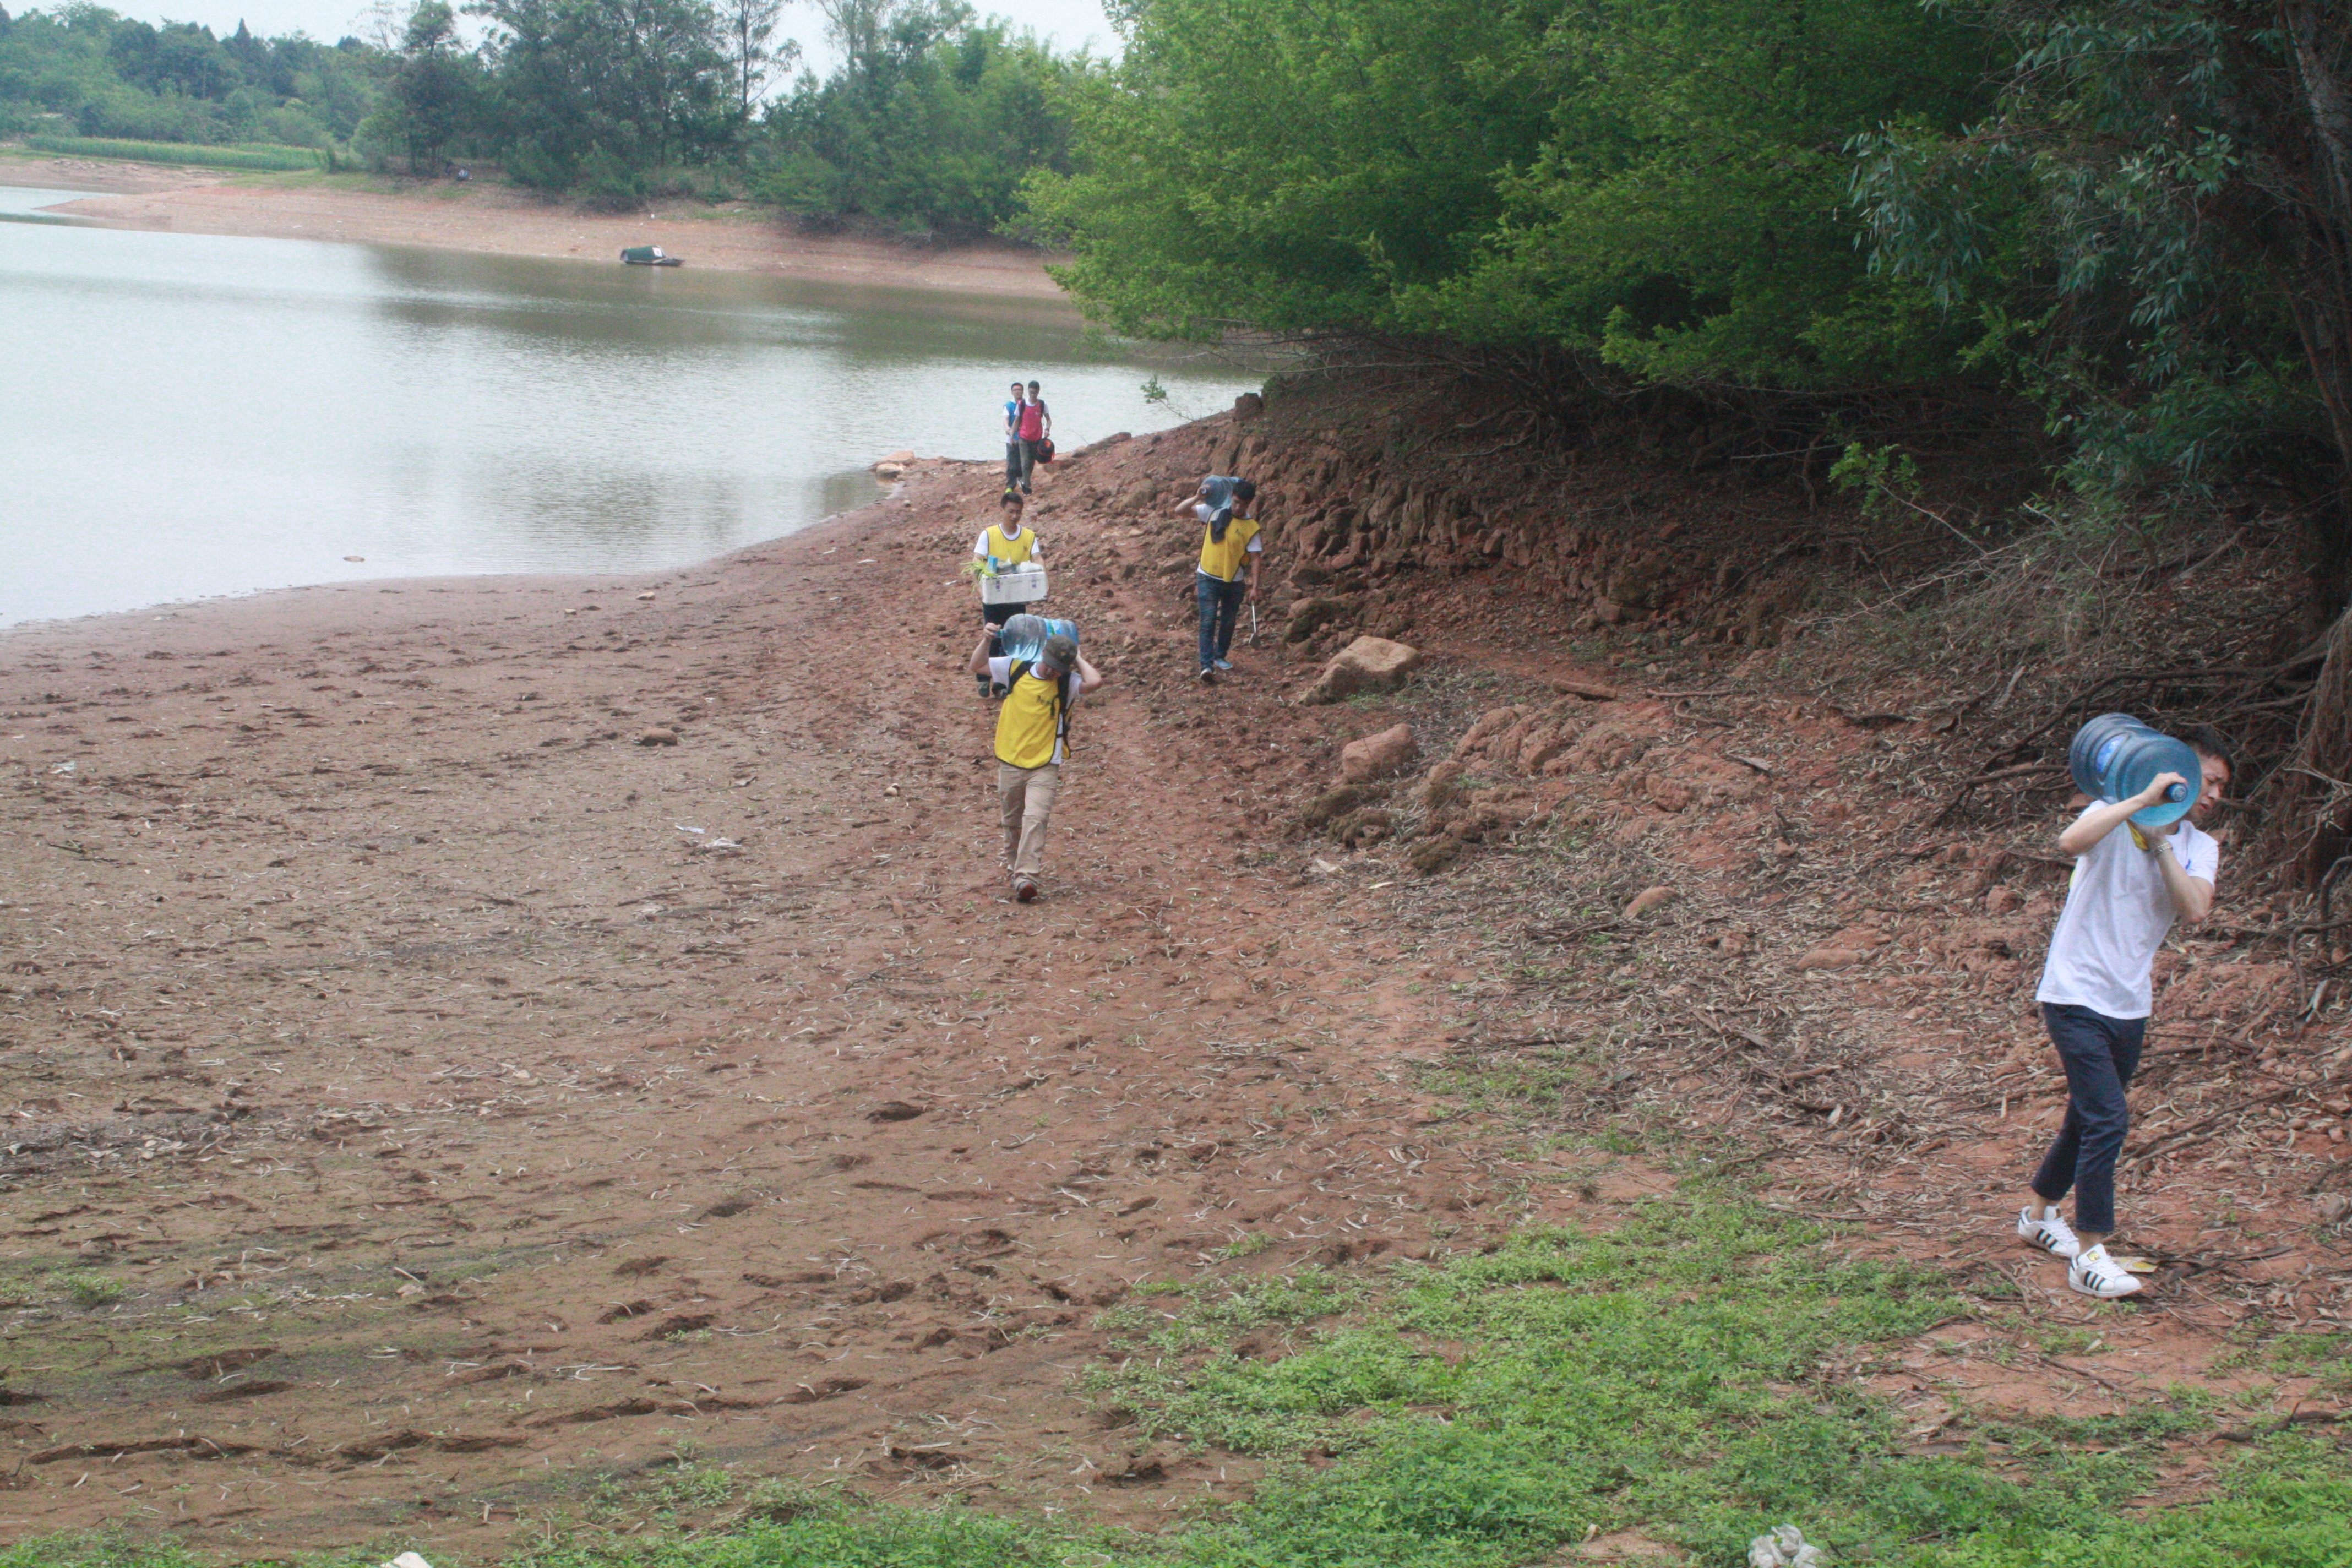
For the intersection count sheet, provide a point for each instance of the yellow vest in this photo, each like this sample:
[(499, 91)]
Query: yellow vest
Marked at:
[(1224, 561), (1012, 551), (1030, 722)]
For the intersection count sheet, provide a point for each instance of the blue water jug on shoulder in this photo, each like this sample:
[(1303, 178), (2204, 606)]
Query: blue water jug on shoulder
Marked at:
[(2115, 756), (1023, 636)]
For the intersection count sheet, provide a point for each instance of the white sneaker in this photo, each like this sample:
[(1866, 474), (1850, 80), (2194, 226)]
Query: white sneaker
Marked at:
[(2050, 1233), (2094, 1273), (1225, 664)]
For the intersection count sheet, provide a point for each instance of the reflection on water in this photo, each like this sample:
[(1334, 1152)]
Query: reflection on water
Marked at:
[(187, 414)]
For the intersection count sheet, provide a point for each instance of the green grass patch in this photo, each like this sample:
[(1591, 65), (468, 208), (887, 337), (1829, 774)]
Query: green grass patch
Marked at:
[(1695, 1375), (1690, 1375), (85, 1289), (261, 155)]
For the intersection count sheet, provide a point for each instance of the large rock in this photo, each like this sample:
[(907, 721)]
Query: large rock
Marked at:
[(1377, 756), (1368, 664)]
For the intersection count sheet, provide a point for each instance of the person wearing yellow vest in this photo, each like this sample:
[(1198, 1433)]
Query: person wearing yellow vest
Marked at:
[(1033, 737), (1003, 543), (1227, 577)]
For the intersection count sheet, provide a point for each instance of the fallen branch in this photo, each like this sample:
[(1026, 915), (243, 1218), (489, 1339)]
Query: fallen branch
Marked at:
[(2173, 1139), (1961, 793), (2084, 1373), (2249, 1432)]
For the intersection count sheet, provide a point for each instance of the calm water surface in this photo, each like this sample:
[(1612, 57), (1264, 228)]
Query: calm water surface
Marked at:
[(191, 414)]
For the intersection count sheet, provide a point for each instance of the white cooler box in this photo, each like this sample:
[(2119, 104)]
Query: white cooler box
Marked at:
[(1023, 585)]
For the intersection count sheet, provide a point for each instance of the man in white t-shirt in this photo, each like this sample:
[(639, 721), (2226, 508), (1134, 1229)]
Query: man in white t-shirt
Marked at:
[(2130, 885)]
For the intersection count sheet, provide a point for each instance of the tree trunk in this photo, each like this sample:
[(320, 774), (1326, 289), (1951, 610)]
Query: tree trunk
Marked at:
[(2307, 803), (2318, 40)]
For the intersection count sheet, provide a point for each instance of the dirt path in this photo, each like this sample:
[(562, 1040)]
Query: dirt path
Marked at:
[(465, 1099)]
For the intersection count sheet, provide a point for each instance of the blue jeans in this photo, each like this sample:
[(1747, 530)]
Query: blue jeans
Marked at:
[(2100, 1054), (1220, 611)]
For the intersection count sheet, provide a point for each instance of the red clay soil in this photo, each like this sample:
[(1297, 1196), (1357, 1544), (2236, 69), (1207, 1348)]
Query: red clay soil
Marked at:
[(428, 1102)]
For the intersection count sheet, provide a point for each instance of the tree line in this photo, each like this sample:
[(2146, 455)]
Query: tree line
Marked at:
[(931, 122), (83, 71), (2136, 214)]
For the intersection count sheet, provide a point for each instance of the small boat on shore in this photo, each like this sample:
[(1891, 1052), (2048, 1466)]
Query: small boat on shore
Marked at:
[(650, 256)]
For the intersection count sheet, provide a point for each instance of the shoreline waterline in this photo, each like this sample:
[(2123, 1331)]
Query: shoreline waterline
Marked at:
[(200, 416), (497, 220)]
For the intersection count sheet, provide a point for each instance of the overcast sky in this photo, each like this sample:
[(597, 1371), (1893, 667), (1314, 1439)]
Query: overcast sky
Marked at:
[(1071, 24)]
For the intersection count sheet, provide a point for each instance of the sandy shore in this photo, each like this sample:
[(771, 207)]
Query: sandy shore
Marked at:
[(498, 220)]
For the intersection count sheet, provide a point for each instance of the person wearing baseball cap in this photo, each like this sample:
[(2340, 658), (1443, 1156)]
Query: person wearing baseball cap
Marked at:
[(1032, 738)]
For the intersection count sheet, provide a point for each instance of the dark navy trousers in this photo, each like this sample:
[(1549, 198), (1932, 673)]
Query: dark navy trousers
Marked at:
[(2100, 1054)]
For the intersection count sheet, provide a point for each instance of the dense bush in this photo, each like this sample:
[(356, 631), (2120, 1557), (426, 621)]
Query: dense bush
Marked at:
[(112, 76), (933, 121)]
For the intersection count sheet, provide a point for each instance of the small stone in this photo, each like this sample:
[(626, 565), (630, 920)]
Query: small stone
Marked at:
[(657, 737), (647, 594), (1645, 901)]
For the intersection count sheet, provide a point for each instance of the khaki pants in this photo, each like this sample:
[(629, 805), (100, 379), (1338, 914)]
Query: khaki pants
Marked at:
[(1026, 799)]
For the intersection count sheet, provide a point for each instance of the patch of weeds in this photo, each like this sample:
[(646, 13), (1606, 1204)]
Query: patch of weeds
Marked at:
[(2258, 1396), (1248, 1246), (1517, 1083), (2145, 1427), (87, 1290), (691, 1488), (2287, 1505), (828, 1534), (1217, 1311), (2324, 1356), (1675, 1375)]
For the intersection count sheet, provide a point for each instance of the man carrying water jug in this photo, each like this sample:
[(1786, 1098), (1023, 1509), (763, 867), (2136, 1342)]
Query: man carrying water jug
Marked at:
[(1002, 545), (2130, 885), (1033, 737)]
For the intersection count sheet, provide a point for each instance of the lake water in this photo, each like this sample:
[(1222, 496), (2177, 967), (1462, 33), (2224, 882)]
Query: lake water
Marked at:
[(184, 416)]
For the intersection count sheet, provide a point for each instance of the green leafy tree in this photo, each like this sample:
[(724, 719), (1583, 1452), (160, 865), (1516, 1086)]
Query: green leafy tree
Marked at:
[(1657, 183), (750, 26), (2158, 225), (1292, 166), (933, 121), (438, 100), (602, 93), (116, 76), (1685, 216)]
